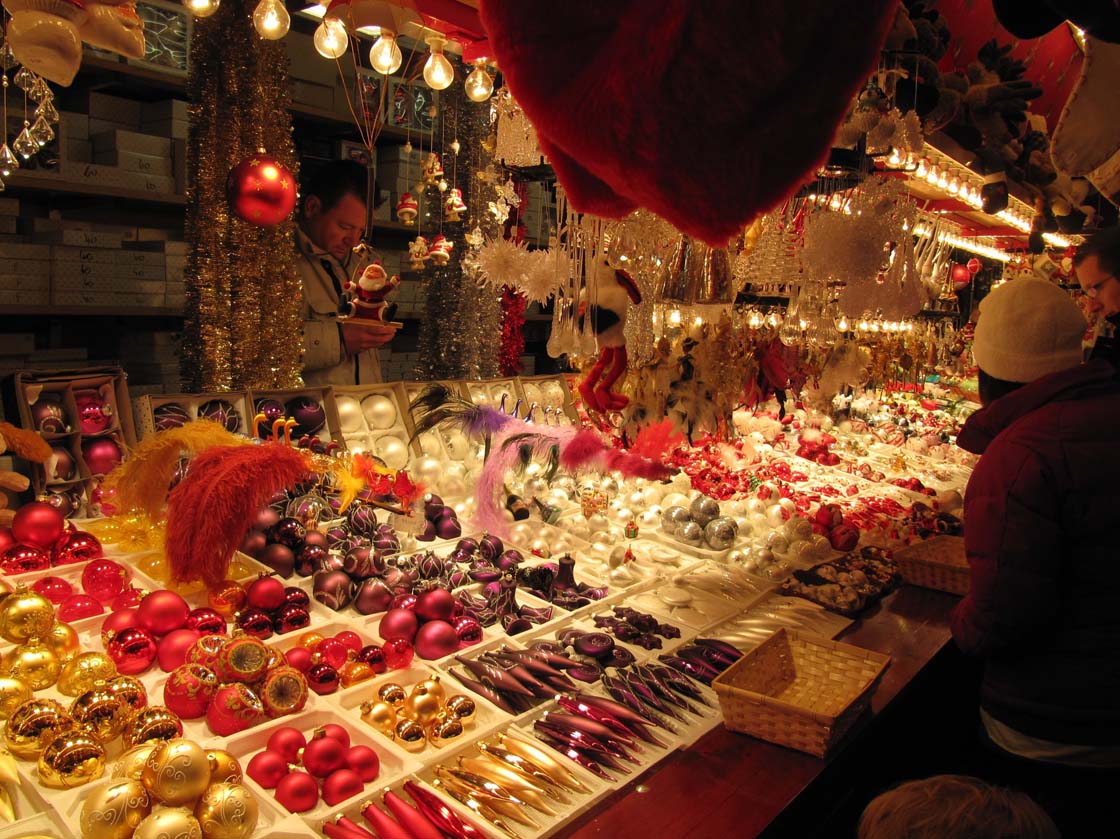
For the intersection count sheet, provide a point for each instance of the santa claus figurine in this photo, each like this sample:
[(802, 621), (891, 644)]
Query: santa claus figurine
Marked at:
[(365, 297), (612, 292)]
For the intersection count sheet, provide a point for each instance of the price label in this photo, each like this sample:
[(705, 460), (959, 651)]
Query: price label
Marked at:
[(412, 525)]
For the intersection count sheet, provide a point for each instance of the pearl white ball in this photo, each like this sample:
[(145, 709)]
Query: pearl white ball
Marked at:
[(431, 446), (756, 506), (777, 542), (598, 523), (393, 451), (349, 414), (379, 411), (675, 499), (540, 547), (648, 518), (775, 516), (798, 528), (429, 470), (623, 515), (653, 493), (358, 444), (764, 557), (744, 524), (457, 445)]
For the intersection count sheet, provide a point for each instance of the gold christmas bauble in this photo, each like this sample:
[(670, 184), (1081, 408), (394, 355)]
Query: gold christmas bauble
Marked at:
[(445, 728), (71, 759), (131, 763), (24, 615), (80, 672), (28, 722), (101, 711), (63, 641), (463, 707), (421, 706), (176, 772), (154, 723), (392, 693), (113, 811), (410, 736), (32, 663), (131, 692), (224, 769), (169, 823), (13, 693), (433, 686), (382, 716), (227, 811)]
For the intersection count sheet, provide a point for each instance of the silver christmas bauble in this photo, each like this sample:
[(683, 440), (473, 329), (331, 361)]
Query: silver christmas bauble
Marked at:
[(379, 410), (719, 533), (673, 518), (690, 533), (349, 414), (703, 509)]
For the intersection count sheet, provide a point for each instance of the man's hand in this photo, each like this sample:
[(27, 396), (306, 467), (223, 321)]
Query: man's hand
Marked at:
[(358, 337)]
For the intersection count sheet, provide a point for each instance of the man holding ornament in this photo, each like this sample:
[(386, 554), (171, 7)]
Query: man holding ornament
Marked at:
[(332, 221), (1098, 271)]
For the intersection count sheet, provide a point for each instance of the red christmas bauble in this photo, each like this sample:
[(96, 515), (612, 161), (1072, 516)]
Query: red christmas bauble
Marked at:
[(398, 653), (255, 622), (332, 651), (266, 593), (79, 546), (206, 621), (163, 611), (116, 621), (284, 691), (290, 618), (78, 606), (298, 792), (960, 277), (133, 650), (104, 579), (206, 651), (234, 708), (322, 678), (55, 589), (173, 648), (7, 539), (128, 599), (261, 191), (102, 454), (39, 524), (188, 690), (19, 559)]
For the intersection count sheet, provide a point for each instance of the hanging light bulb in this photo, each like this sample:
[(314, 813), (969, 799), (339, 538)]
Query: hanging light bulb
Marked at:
[(330, 39), (202, 8), (438, 72), (842, 325), (385, 56), (479, 84), (271, 20)]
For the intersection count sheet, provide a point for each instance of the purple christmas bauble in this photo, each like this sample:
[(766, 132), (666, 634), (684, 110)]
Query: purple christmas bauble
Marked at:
[(221, 412), (360, 563), (308, 414), (362, 519), (491, 547), (310, 559), (48, 415), (271, 409), (170, 415), (333, 589)]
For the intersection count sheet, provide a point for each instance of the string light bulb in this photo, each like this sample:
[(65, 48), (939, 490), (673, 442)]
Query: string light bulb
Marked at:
[(271, 20), (330, 39), (202, 8), (438, 72), (479, 84), (385, 55)]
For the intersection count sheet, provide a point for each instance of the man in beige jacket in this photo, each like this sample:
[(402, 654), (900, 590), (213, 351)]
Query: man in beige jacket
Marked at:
[(332, 221)]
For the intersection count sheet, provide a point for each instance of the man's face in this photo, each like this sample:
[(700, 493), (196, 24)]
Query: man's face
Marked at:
[(338, 229), (1102, 289)]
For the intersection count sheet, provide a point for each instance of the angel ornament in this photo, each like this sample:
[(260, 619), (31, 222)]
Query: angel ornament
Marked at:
[(611, 291)]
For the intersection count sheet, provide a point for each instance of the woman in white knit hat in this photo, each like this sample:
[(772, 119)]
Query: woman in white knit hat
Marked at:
[(1043, 608)]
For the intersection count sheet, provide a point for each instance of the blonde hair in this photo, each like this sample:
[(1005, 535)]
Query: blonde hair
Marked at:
[(955, 807)]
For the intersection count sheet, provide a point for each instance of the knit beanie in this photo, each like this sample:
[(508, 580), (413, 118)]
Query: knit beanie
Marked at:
[(1027, 329)]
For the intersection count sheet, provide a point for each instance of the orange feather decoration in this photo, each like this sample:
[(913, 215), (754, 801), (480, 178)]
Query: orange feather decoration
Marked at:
[(212, 507)]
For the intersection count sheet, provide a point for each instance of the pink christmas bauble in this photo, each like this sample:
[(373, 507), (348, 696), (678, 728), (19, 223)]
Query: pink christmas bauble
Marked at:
[(38, 524), (105, 579), (163, 611), (78, 606), (77, 546), (173, 648), (102, 454), (95, 414)]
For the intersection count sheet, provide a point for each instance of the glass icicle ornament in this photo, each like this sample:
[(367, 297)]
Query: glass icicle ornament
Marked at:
[(23, 144), (8, 161), (39, 90), (7, 57), (47, 110), (41, 132), (24, 79)]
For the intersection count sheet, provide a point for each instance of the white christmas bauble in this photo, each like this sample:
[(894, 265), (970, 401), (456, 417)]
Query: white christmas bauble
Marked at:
[(804, 551), (623, 515), (648, 518), (379, 411), (820, 543), (349, 414), (798, 528), (520, 533), (787, 505), (764, 556), (598, 523), (777, 542), (457, 445), (540, 547), (675, 499), (358, 444), (452, 487), (681, 482), (751, 564), (535, 487), (561, 543), (756, 506), (428, 470), (744, 525), (653, 493), (775, 516), (636, 500), (393, 451), (738, 556), (460, 508), (580, 530)]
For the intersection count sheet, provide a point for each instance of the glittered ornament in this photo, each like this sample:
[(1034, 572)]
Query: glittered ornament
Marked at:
[(132, 650), (333, 589), (30, 721), (235, 707), (189, 689), (260, 190), (24, 615), (283, 691), (242, 660), (71, 759), (38, 523), (101, 454), (48, 414), (130, 764), (169, 823), (55, 589), (170, 415), (221, 412), (23, 559), (13, 693), (153, 724), (398, 653), (206, 621), (114, 811), (79, 673), (227, 598), (77, 607), (105, 579), (224, 767), (33, 663), (63, 641), (205, 651), (227, 811), (101, 711)]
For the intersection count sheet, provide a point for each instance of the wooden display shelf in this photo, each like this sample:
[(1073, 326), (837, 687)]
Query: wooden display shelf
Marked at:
[(95, 311), (24, 180)]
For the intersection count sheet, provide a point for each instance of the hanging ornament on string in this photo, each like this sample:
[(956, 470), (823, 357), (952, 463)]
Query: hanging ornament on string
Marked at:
[(260, 190)]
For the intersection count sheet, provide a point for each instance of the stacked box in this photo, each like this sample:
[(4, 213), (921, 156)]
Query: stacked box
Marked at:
[(107, 277), (152, 358), (166, 118), (25, 272), (233, 410), (123, 158)]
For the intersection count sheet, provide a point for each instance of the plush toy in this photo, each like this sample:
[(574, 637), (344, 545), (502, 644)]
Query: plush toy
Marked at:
[(364, 298), (29, 446), (612, 291), (46, 35)]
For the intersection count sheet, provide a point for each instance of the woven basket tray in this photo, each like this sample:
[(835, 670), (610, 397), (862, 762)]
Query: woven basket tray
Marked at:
[(937, 563), (799, 690)]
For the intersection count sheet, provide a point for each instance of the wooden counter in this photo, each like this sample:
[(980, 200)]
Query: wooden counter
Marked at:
[(732, 785)]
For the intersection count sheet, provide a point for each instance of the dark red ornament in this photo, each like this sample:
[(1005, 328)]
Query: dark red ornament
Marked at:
[(291, 617), (206, 621), (374, 656), (297, 597), (255, 622), (279, 558), (260, 190), (309, 559), (76, 547), (322, 678), (468, 629), (20, 559), (404, 601), (266, 594)]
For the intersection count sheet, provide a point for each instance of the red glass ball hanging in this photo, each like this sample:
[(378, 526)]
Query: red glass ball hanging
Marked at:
[(261, 191)]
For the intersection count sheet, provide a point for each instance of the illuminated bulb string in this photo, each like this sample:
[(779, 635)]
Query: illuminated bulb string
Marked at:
[(964, 244)]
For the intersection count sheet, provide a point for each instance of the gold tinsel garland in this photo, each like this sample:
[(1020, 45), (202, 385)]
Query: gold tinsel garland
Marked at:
[(244, 298)]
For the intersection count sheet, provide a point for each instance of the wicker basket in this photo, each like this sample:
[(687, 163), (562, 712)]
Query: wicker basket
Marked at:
[(937, 563), (799, 690)]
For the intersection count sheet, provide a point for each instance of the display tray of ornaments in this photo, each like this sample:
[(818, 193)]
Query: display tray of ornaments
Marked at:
[(309, 412), (232, 410), (553, 395), (86, 417), (502, 394), (374, 419), (442, 443)]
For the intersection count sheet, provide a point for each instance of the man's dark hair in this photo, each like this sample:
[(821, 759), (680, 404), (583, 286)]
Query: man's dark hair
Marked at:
[(331, 181), (1105, 246), (992, 388)]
